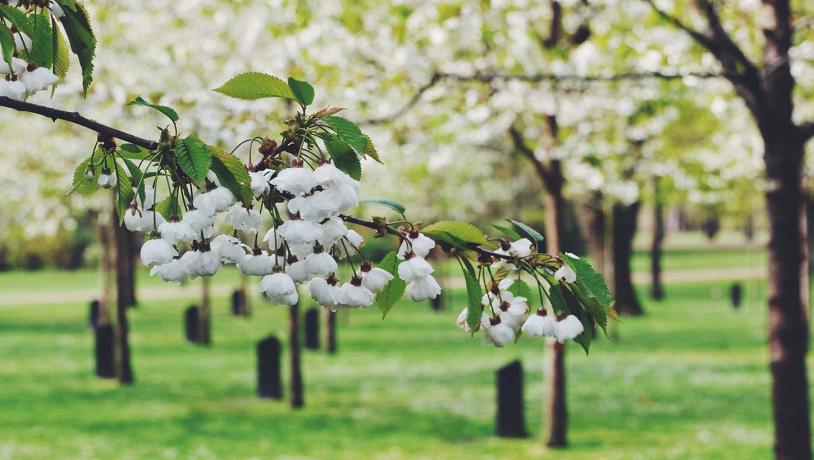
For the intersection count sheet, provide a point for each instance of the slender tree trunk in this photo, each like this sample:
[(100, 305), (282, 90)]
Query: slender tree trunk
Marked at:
[(656, 288), (624, 229), (592, 219), (123, 296), (556, 411), (788, 321), (106, 269), (204, 316), (330, 332), (294, 349)]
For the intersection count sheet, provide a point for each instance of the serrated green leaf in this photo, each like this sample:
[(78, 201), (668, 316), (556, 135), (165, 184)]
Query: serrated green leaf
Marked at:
[(519, 288), (194, 157), (124, 191), (67, 4), (529, 233), (558, 303), (17, 18), (508, 232), (6, 43), (82, 40), (137, 175), (62, 62), (474, 294), (394, 288), (169, 112), (255, 85), (370, 150), (344, 158), (81, 184), (233, 175), (590, 279), (133, 152), (42, 48), (459, 231), (392, 204), (347, 131), (302, 90)]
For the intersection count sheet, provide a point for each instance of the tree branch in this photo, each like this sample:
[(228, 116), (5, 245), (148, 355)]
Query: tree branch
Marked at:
[(807, 131), (486, 77), (77, 119), (701, 38), (406, 107)]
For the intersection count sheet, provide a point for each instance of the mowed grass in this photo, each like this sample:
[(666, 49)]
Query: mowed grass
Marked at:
[(688, 380)]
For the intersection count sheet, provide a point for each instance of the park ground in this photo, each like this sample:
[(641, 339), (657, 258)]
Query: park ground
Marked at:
[(689, 380)]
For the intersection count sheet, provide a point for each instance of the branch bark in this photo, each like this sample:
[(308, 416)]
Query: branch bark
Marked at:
[(77, 119)]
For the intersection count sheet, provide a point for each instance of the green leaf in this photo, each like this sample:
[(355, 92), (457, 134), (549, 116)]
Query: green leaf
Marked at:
[(42, 48), (508, 232), (137, 175), (302, 90), (83, 41), (169, 207), (67, 4), (62, 62), (347, 131), (133, 152), (233, 175), (6, 43), (255, 85), (520, 289), (456, 233), (345, 159), (167, 111), (394, 288), (370, 150), (81, 184), (17, 18), (529, 233), (124, 189), (392, 204), (590, 279), (558, 303), (194, 157), (474, 295)]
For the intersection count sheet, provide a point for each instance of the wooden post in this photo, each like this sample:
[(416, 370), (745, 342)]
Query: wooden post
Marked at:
[(330, 332), (93, 313), (204, 317), (269, 381), (511, 422), (105, 351), (191, 323), (736, 295)]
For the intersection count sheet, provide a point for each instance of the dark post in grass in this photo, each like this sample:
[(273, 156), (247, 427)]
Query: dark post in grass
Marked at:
[(269, 382), (239, 305), (511, 422), (312, 329), (736, 295), (93, 313), (191, 323), (104, 351)]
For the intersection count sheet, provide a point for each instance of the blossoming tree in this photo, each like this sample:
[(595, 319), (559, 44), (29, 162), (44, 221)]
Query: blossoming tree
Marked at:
[(305, 183)]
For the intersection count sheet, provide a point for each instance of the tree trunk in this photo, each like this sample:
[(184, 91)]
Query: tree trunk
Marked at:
[(592, 220), (330, 332), (126, 264), (556, 413), (106, 270), (624, 229), (124, 294), (788, 320), (294, 349), (204, 325), (656, 288)]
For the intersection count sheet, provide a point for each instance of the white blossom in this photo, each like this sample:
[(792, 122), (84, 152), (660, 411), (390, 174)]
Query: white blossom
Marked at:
[(374, 279), (142, 221), (12, 89), (300, 231), (418, 243), (257, 264), (565, 273), (568, 328), (324, 293), (499, 334), (279, 288), (242, 219), (173, 271), (320, 264), (157, 252), (38, 79), (540, 325), (230, 249), (295, 180), (424, 288), (177, 232), (414, 269), (353, 296)]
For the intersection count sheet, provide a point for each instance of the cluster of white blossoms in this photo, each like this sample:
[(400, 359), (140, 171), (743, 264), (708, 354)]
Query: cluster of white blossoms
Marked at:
[(303, 249), (22, 78), (506, 315)]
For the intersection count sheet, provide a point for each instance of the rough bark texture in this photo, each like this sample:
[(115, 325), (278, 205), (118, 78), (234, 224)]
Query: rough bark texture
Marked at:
[(557, 412), (788, 322), (297, 398), (124, 277), (656, 287), (624, 229)]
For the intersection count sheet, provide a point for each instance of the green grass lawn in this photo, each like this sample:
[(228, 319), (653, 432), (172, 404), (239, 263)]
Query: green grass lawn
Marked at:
[(689, 380)]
